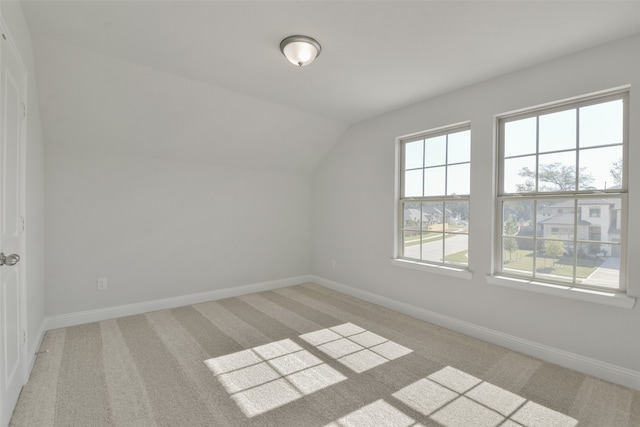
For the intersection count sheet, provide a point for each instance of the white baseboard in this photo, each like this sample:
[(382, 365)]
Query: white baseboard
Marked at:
[(79, 318), (607, 371)]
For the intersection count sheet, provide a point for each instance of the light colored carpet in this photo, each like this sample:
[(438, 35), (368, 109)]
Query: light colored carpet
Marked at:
[(301, 356)]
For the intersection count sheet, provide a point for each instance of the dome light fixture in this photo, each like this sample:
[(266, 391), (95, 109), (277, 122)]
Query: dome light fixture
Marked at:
[(300, 50)]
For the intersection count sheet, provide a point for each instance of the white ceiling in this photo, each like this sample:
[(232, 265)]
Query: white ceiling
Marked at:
[(377, 56)]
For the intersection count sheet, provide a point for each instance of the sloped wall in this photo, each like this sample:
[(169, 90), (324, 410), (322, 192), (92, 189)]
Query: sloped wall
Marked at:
[(165, 186)]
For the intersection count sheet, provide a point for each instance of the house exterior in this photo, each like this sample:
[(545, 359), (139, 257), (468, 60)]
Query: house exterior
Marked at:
[(597, 220), (431, 216)]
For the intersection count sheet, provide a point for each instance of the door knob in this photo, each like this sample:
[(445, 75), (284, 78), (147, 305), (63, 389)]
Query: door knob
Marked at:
[(9, 259)]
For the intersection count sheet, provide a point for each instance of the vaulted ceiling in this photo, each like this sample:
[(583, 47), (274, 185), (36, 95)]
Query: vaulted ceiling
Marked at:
[(377, 56)]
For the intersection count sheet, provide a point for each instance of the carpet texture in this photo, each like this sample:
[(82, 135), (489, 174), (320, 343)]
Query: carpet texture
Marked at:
[(301, 356)]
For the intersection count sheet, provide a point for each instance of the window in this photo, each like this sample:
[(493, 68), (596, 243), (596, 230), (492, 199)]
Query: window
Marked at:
[(433, 207), (553, 162)]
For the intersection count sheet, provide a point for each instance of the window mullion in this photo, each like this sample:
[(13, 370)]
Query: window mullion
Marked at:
[(535, 237), (575, 241), (446, 192), (424, 155), (420, 235), (537, 177), (577, 181)]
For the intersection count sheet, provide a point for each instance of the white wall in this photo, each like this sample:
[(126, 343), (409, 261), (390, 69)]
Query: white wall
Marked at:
[(158, 228), (166, 186), (11, 12), (353, 208)]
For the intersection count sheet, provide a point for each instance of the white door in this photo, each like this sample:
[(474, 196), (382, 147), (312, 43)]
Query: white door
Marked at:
[(12, 329)]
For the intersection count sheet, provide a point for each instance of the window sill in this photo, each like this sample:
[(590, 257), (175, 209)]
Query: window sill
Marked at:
[(459, 273), (612, 298)]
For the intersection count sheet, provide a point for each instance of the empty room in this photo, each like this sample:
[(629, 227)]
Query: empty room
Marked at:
[(319, 213)]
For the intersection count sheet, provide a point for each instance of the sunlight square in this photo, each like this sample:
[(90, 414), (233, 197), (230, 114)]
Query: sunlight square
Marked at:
[(231, 362), (391, 350), (347, 329), (320, 337), (454, 379), (276, 349), (465, 412), (316, 378), (496, 398), (362, 361), (367, 339), (340, 348), (535, 415), (378, 413), (294, 362), (425, 396), (248, 377), (266, 397)]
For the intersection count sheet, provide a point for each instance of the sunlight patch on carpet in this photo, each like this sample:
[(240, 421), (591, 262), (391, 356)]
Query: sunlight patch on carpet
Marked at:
[(454, 398), (355, 347), (379, 414), (269, 376)]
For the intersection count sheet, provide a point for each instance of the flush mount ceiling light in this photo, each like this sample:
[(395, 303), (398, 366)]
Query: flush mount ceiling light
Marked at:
[(300, 50)]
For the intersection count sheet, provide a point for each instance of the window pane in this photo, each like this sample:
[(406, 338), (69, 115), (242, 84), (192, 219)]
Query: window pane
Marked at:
[(555, 260), (599, 265), (517, 216), (411, 244), (517, 256), (434, 181), (459, 147), (557, 131), (434, 220), (601, 168), (600, 220), (413, 154), (413, 183), (607, 275), (432, 248), (435, 151), (411, 215), (458, 179), (520, 137), (520, 175), (556, 219), (601, 124), (457, 216), (456, 248), (433, 215), (557, 172)]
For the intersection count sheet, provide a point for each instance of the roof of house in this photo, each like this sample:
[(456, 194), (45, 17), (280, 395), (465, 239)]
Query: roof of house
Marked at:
[(565, 219)]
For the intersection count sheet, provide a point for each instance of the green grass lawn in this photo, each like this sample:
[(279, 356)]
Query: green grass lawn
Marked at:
[(458, 257), (415, 240), (523, 260)]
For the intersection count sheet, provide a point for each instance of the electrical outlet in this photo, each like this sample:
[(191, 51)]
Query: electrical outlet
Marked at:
[(102, 284)]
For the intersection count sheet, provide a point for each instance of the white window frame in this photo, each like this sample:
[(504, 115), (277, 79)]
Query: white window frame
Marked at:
[(614, 297), (448, 269)]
